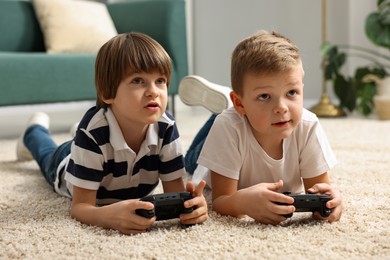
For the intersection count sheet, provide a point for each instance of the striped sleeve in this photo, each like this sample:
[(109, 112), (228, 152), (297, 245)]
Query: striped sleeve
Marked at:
[(86, 164), (85, 167), (171, 155)]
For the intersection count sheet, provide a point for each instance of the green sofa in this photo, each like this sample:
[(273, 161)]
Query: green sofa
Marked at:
[(28, 75)]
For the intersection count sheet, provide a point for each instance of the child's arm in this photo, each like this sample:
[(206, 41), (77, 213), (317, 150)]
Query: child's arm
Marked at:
[(119, 216), (257, 201), (200, 214), (173, 186), (320, 185)]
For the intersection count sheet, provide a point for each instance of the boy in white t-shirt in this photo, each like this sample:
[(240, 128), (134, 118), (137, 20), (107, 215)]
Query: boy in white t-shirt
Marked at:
[(267, 143)]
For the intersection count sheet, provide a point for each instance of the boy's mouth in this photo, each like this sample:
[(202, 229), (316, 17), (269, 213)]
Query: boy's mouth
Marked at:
[(152, 105), (281, 123)]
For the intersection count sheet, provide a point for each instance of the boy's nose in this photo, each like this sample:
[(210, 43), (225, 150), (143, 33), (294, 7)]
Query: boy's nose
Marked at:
[(280, 107), (151, 90)]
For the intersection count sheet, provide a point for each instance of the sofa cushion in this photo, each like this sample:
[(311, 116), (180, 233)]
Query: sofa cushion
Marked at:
[(37, 78), (71, 26), (19, 28)]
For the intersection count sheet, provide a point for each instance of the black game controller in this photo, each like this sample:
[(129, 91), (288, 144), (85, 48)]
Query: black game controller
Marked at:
[(166, 205), (309, 203)]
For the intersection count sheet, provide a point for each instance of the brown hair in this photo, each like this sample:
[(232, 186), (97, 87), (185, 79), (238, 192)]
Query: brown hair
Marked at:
[(125, 54), (262, 53)]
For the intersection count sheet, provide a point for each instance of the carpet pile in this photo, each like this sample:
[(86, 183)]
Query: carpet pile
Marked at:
[(35, 222)]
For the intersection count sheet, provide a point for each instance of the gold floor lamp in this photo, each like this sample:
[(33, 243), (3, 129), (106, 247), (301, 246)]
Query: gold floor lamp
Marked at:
[(325, 108)]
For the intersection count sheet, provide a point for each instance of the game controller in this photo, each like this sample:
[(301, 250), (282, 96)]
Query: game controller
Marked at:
[(166, 205), (309, 203)]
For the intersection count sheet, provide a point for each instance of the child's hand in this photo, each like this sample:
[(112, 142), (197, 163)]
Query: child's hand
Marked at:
[(120, 216), (335, 204), (123, 218), (261, 203), (200, 213)]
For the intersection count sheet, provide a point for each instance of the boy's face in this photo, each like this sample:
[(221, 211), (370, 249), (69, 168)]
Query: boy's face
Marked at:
[(272, 103), (141, 99)]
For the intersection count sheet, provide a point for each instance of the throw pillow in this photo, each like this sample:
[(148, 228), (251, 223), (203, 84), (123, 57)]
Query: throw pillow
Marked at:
[(74, 26)]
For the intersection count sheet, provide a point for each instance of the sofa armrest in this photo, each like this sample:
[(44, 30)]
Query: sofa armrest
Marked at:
[(164, 21)]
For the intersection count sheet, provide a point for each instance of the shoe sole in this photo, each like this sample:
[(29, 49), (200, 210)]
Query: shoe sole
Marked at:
[(194, 90)]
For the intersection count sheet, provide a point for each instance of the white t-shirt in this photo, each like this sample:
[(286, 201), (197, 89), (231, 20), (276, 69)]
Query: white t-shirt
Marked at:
[(232, 151)]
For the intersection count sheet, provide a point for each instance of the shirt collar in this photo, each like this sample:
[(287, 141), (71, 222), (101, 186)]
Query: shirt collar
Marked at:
[(152, 135)]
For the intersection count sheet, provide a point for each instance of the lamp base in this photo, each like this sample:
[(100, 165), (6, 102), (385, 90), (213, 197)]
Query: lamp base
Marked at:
[(326, 109)]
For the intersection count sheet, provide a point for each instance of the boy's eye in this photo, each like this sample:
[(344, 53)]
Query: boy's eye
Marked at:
[(263, 97), (137, 81), (161, 81), (292, 93)]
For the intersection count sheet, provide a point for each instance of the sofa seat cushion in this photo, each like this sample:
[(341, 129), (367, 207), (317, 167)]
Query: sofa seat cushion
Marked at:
[(33, 78)]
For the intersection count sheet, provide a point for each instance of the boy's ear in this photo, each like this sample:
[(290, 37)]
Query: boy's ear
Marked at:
[(236, 100), (108, 101)]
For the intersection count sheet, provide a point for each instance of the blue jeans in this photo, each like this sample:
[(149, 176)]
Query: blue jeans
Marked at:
[(196, 146), (45, 151)]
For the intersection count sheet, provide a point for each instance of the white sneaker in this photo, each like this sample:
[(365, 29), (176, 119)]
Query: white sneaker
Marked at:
[(195, 90), (38, 118)]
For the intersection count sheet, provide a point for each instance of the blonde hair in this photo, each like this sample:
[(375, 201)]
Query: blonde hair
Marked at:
[(262, 53), (125, 54)]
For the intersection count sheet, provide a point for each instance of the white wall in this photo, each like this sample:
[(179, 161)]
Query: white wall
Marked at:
[(352, 31), (218, 25)]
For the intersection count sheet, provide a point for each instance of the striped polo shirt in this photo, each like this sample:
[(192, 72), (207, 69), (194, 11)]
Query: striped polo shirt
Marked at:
[(101, 160)]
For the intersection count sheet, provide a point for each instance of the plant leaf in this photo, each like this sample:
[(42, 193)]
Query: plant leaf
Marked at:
[(377, 31), (345, 91), (365, 91)]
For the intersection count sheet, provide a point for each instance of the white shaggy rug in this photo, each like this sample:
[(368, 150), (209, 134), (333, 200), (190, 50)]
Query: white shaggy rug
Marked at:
[(35, 224)]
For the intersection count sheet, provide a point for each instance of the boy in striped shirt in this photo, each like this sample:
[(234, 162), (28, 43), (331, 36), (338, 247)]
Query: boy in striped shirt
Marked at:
[(123, 146)]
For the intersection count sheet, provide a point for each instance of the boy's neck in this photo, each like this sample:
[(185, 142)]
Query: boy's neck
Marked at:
[(134, 139), (273, 148), (134, 135), (275, 152)]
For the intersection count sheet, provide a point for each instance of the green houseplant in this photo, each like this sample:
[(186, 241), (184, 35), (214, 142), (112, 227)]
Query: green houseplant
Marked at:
[(354, 92)]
